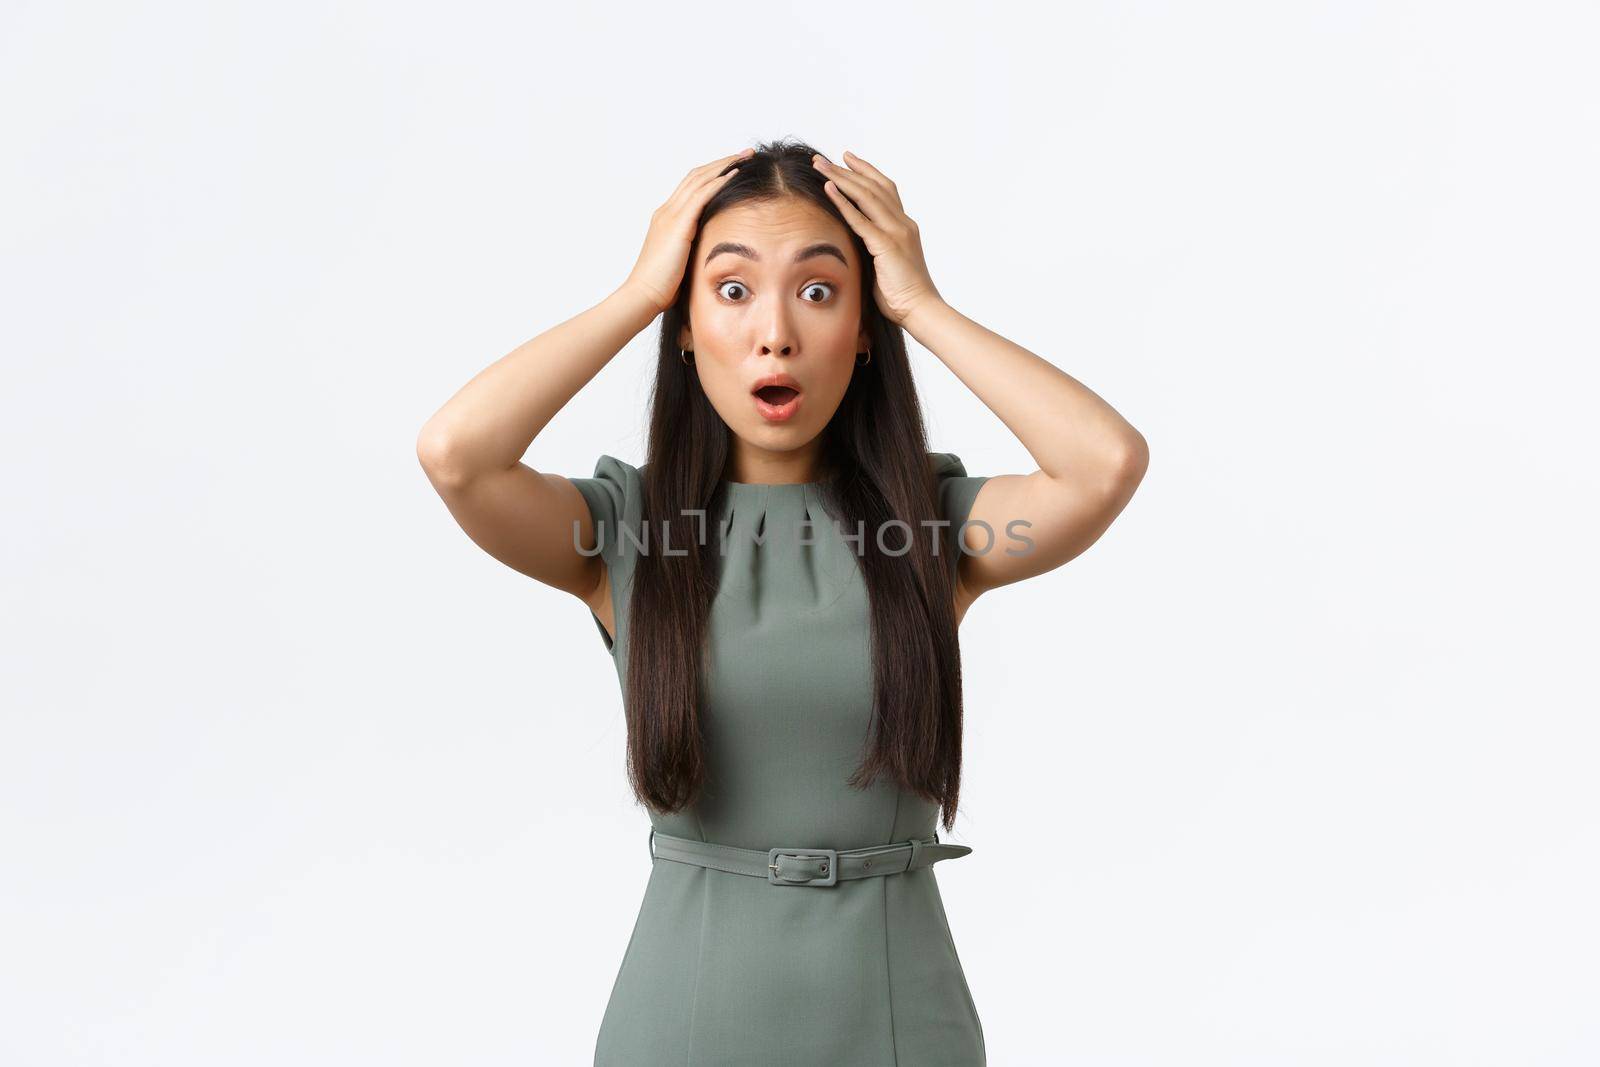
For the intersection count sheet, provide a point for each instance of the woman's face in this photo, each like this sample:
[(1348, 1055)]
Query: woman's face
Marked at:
[(775, 290)]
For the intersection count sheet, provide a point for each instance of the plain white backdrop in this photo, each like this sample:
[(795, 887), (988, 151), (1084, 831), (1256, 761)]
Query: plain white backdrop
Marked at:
[(1297, 766)]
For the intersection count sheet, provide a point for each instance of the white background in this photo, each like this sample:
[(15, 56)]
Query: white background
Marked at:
[(1296, 766)]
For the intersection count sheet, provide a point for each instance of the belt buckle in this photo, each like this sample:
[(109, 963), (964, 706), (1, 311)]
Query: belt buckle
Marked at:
[(830, 865)]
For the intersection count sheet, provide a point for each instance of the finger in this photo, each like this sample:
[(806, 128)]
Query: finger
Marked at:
[(889, 187), (699, 183), (730, 157), (865, 193), (708, 188), (852, 214), (708, 170), (716, 165), (874, 178)]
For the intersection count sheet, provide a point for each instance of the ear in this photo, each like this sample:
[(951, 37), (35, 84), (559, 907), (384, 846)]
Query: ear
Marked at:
[(862, 340), (685, 336)]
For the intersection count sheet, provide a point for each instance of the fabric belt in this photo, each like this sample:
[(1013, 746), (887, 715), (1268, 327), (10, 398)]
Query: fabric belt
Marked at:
[(806, 866)]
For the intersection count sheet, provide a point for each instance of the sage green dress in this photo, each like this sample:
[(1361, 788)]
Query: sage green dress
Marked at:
[(725, 969)]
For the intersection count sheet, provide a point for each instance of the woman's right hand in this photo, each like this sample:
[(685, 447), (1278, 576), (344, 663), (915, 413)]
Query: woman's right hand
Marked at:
[(665, 254)]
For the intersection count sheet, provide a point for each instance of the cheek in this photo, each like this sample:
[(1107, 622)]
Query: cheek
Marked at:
[(718, 373), (839, 370), (837, 338), (716, 325)]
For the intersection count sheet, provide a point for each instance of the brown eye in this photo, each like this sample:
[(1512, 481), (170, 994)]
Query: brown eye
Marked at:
[(818, 285), (736, 285)]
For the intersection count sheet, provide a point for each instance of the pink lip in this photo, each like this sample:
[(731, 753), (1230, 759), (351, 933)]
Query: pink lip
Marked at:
[(777, 412)]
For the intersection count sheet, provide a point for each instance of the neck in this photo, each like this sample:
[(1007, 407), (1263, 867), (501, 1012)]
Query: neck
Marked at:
[(760, 467)]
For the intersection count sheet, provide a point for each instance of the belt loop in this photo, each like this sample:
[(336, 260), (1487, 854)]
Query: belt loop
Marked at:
[(916, 847)]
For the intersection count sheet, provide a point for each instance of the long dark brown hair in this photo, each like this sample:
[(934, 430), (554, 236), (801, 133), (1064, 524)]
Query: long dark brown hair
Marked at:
[(876, 468)]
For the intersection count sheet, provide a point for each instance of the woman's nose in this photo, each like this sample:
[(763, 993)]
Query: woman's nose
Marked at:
[(778, 336)]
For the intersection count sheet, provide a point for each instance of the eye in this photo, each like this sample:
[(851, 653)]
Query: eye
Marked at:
[(737, 285), (818, 285)]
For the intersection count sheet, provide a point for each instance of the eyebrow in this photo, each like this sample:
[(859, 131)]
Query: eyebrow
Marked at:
[(821, 248)]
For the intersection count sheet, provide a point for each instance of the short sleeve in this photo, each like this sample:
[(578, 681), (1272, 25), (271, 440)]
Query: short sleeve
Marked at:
[(614, 495), (956, 491)]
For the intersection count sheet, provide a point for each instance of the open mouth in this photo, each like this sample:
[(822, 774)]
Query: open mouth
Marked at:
[(777, 400), (777, 394)]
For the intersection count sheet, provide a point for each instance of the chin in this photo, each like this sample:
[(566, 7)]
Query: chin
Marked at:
[(779, 435)]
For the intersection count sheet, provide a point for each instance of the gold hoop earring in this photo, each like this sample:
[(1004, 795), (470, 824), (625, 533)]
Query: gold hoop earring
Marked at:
[(863, 362), (683, 357)]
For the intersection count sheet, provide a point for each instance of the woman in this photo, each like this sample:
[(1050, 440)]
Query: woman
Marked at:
[(780, 587)]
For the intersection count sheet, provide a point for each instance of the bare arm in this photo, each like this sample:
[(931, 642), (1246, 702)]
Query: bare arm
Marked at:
[(472, 447), (1090, 458)]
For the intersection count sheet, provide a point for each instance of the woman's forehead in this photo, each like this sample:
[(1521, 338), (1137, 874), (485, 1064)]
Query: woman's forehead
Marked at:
[(774, 227)]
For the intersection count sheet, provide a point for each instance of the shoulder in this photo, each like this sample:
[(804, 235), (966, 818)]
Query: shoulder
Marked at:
[(954, 487), (615, 495), (615, 483), (946, 464)]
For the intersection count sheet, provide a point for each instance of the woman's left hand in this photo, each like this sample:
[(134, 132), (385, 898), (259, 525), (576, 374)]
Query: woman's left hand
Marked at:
[(870, 202)]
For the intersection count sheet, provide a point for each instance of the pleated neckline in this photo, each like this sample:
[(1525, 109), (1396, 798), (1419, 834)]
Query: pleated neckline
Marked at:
[(770, 557), (748, 488)]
